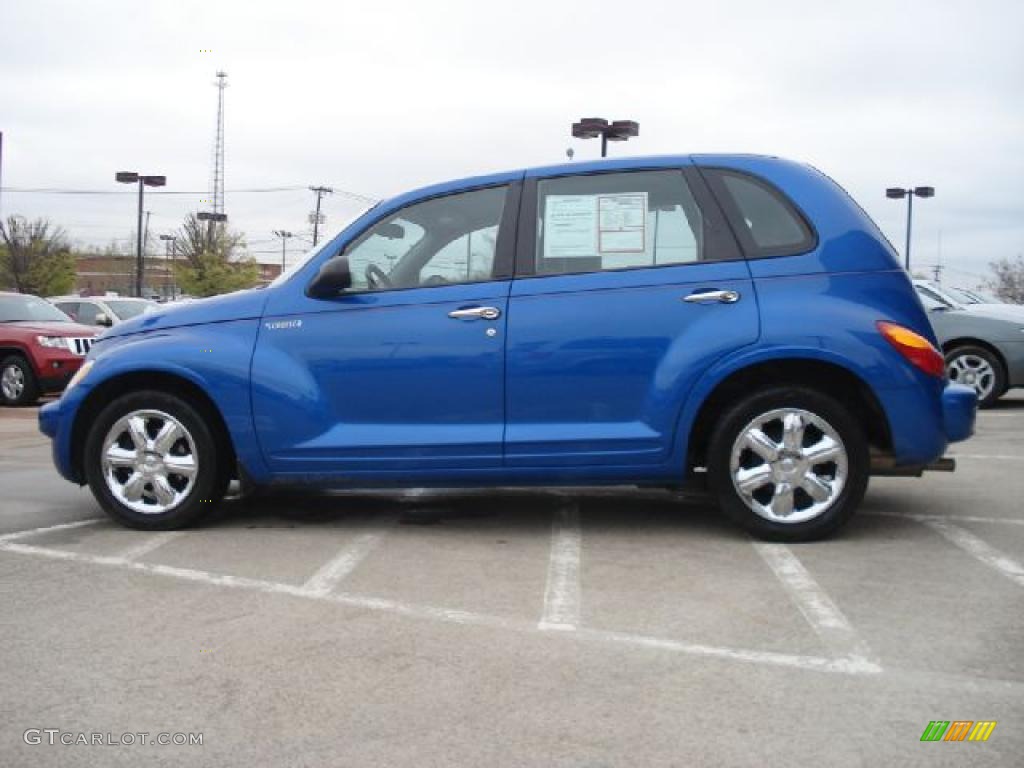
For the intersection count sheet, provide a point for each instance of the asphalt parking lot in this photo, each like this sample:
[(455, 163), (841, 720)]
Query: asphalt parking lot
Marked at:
[(515, 628)]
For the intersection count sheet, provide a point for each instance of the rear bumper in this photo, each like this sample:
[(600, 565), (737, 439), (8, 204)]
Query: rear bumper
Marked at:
[(959, 404)]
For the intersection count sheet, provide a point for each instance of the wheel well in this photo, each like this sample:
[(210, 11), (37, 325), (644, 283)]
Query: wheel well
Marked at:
[(7, 351), (830, 379), (113, 388), (952, 344)]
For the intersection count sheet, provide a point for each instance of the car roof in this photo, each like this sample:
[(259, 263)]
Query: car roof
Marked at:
[(576, 167)]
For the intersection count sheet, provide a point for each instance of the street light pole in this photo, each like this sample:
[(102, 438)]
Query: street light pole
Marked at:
[(284, 235), (131, 177), (210, 218), (170, 252), (898, 193)]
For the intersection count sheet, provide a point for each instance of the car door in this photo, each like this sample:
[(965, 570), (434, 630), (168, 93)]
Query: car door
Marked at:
[(404, 371), (629, 286)]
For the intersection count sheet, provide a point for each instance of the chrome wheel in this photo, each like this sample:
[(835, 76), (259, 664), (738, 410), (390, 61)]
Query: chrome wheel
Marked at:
[(789, 465), (149, 462), (974, 371), (12, 382)]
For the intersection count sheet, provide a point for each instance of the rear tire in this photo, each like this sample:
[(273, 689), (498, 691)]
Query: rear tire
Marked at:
[(789, 464), (152, 463), (18, 385), (979, 369)]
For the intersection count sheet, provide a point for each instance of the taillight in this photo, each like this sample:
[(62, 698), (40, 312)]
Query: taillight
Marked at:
[(914, 347)]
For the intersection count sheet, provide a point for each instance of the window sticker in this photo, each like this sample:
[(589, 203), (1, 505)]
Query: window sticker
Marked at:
[(623, 223), (570, 226), (584, 226)]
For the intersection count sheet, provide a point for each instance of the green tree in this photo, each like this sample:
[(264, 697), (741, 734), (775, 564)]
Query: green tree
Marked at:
[(1008, 280), (211, 259), (35, 257)]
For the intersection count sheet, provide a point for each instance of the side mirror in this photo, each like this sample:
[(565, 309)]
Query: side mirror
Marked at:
[(102, 318), (333, 278)]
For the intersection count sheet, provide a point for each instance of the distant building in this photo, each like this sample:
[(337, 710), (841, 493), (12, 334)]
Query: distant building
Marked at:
[(96, 275)]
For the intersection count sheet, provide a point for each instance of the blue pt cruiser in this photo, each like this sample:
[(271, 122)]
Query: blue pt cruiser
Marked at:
[(731, 322)]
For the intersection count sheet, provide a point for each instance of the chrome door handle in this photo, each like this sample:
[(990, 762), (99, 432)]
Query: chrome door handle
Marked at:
[(706, 297), (476, 313)]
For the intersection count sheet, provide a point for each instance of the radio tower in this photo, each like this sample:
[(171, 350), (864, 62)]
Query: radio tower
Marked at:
[(217, 183)]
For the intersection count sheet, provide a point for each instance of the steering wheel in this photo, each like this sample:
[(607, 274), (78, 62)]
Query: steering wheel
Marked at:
[(377, 277)]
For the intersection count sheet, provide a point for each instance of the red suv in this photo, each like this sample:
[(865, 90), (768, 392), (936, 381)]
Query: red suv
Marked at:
[(40, 348)]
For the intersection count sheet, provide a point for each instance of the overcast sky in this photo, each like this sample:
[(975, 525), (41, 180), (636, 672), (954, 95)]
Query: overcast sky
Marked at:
[(380, 97)]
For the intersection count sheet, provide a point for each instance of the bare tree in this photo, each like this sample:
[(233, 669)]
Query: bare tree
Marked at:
[(1008, 280), (36, 256), (214, 260)]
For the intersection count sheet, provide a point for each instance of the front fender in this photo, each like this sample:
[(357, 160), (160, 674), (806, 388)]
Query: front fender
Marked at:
[(215, 358)]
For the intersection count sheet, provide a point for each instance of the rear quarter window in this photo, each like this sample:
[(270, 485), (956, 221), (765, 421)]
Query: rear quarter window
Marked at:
[(764, 219)]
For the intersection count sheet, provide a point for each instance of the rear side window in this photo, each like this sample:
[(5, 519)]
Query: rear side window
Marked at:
[(87, 312), (765, 221), (69, 308), (614, 221)]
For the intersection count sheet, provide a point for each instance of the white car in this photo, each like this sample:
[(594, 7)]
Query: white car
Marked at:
[(971, 301), (101, 310)]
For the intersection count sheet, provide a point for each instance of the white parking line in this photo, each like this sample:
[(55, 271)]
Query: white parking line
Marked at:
[(455, 616), (979, 549), (149, 544), (940, 518), (337, 569), (814, 603), (987, 456), (562, 593), (61, 527)]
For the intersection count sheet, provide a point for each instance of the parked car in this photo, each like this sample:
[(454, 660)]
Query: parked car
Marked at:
[(101, 310), (983, 345), (40, 348), (730, 321)]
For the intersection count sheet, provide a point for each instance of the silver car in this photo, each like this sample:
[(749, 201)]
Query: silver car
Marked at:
[(984, 346), (101, 310)]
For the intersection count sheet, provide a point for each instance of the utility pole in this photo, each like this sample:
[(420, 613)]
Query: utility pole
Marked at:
[(319, 192), (284, 235)]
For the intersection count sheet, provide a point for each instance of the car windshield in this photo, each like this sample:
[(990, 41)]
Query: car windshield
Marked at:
[(125, 309), (973, 297), (29, 308), (938, 295)]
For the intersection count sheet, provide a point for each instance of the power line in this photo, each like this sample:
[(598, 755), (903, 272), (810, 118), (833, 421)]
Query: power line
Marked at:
[(256, 190), (60, 191)]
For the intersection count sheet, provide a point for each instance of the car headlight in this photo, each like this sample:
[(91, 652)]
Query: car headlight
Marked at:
[(54, 342), (79, 374)]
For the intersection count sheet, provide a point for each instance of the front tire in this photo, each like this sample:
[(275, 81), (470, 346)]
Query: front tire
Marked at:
[(979, 369), (789, 464), (152, 463), (18, 385)]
